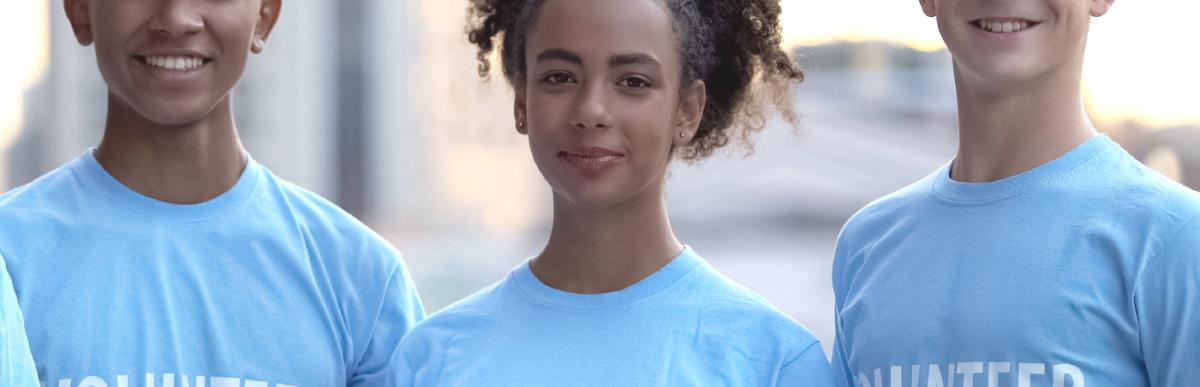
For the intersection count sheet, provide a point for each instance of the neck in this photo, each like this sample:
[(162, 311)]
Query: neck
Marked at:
[(604, 250), (182, 164), (1010, 130)]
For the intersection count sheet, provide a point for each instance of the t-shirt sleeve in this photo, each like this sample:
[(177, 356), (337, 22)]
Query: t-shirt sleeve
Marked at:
[(419, 359), (401, 373), (403, 369), (840, 368), (809, 369), (1167, 302), (838, 363), (16, 362), (401, 309)]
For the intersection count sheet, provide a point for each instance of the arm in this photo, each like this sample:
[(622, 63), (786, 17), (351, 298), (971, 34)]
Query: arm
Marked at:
[(16, 362), (1167, 303), (401, 309), (809, 369)]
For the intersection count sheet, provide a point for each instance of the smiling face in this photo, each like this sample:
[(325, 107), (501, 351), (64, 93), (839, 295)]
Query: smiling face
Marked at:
[(172, 61), (601, 99), (1017, 40)]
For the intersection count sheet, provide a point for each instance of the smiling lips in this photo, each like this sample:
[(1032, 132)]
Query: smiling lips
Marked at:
[(591, 160), (1004, 26), (180, 63)]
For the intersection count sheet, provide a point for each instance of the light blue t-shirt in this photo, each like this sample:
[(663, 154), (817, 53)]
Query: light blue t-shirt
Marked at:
[(684, 325), (16, 364), (265, 285), (1082, 271)]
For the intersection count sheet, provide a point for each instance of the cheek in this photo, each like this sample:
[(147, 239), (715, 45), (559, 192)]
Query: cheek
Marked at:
[(1070, 33), (542, 142), (649, 131), (233, 45), (109, 42), (233, 39), (546, 110)]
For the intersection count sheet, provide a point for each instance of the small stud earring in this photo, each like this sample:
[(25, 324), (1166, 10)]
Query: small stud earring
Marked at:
[(682, 134)]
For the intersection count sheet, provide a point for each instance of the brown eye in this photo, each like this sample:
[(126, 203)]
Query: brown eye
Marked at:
[(634, 83), (558, 78)]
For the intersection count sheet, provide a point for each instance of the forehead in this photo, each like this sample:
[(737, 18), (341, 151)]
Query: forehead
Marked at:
[(604, 27)]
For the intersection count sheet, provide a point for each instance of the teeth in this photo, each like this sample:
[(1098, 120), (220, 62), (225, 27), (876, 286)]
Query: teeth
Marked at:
[(1003, 26), (175, 63)]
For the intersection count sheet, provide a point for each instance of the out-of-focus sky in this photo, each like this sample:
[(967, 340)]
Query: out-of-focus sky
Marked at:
[(24, 42), (1142, 57)]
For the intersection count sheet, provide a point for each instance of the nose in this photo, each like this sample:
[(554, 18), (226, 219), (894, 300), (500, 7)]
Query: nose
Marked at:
[(591, 109), (176, 19)]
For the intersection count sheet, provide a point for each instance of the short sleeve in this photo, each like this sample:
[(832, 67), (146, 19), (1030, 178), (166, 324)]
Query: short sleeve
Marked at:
[(1167, 302), (419, 359), (838, 363), (400, 311), (840, 368), (809, 369), (16, 362)]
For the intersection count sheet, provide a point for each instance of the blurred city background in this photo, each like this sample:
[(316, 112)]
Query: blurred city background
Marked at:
[(375, 104)]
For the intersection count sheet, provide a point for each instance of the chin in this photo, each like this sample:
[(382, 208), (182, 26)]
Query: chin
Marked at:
[(592, 198), (174, 114), (1006, 70)]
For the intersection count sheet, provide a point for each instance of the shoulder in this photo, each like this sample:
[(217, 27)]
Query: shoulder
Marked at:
[(1148, 204), (874, 219), (328, 228), (737, 308), (434, 333), (888, 209), (311, 209), (54, 189), (50, 202)]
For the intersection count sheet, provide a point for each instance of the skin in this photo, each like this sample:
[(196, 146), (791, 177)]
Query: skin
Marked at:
[(605, 74), (1019, 98), (170, 135)]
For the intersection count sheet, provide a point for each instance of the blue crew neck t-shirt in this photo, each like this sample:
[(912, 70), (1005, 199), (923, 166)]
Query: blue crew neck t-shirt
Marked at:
[(1084, 271), (265, 285), (684, 325), (16, 364)]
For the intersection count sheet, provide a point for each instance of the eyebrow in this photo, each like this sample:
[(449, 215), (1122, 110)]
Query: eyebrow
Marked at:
[(616, 60), (559, 54), (632, 59)]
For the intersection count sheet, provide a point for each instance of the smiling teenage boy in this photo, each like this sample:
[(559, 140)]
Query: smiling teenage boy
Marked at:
[(167, 256), (1043, 254)]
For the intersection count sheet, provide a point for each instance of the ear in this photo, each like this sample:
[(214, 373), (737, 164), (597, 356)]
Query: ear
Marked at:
[(520, 114), (268, 15), (1100, 7), (79, 15), (691, 112), (930, 7)]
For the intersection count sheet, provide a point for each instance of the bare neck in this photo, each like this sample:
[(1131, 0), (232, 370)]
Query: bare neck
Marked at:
[(605, 250), (182, 164), (1004, 131)]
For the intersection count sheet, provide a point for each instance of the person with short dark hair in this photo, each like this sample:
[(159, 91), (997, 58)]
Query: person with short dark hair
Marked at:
[(166, 255)]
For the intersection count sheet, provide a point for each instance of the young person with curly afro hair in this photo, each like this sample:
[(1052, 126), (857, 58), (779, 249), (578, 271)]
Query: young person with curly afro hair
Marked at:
[(609, 93)]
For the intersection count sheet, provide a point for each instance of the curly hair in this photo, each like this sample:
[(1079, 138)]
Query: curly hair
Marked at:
[(731, 45)]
